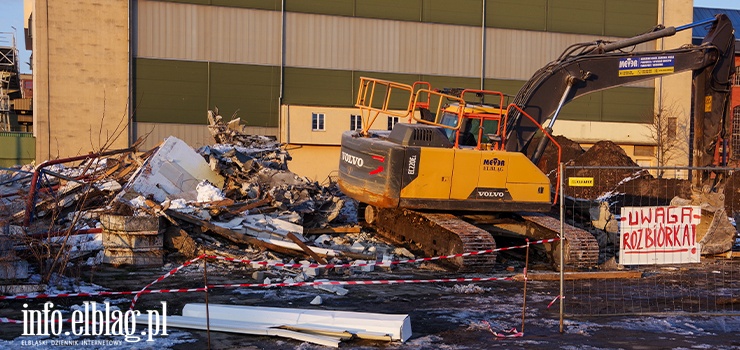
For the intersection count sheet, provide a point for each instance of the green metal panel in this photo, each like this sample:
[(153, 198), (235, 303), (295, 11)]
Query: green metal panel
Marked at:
[(627, 18), (324, 7), (462, 12), (404, 10), (517, 14), (170, 91), (252, 92), (628, 104), (576, 16), (18, 148), (252, 4), (318, 87), (584, 108), (248, 90), (508, 87)]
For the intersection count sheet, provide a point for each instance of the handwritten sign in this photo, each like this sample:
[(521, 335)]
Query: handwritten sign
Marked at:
[(659, 235)]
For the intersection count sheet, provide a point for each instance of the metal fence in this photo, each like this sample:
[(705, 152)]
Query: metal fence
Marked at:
[(665, 246)]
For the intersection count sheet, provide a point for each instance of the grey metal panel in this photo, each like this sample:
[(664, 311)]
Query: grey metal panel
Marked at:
[(249, 36), (208, 33), (517, 54)]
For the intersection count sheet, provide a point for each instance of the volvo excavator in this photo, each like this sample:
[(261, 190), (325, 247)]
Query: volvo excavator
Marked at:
[(457, 171)]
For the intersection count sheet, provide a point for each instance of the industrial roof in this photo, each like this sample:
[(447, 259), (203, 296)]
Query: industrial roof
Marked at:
[(702, 13)]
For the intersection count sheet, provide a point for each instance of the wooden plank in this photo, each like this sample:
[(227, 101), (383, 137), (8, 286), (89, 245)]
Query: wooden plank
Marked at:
[(570, 276), (233, 236), (305, 248), (332, 230)]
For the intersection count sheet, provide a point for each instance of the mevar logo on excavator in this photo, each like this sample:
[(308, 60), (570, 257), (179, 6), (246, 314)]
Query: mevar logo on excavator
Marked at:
[(628, 63)]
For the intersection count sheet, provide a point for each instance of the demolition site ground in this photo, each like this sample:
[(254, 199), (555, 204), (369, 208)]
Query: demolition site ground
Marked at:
[(443, 315), (254, 213)]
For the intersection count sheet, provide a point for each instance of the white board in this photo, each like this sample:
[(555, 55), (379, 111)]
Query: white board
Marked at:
[(659, 235)]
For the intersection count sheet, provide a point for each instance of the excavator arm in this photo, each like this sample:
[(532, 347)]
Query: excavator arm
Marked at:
[(590, 67)]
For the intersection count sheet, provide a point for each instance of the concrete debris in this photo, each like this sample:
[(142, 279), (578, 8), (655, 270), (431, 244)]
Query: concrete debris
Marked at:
[(235, 198), (338, 290), (317, 300), (715, 233), (174, 171)]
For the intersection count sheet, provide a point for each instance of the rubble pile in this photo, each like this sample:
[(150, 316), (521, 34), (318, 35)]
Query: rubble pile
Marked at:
[(235, 198)]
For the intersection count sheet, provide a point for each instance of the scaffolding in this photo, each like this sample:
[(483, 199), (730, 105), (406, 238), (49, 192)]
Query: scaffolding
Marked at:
[(9, 77)]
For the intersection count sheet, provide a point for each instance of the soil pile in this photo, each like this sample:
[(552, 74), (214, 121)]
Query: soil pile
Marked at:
[(732, 194), (603, 153), (549, 162)]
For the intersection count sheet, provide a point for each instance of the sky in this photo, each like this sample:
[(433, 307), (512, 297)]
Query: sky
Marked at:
[(11, 15)]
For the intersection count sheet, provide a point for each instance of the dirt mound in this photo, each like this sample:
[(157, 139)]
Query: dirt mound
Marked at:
[(648, 191), (606, 154), (569, 150), (732, 194)]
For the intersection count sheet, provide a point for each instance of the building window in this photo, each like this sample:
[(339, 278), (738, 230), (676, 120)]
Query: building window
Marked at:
[(737, 76), (391, 122), (317, 121), (355, 122), (735, 141), (672, 128)]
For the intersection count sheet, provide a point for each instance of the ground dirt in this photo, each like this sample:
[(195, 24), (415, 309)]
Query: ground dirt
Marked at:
[(441, 317)]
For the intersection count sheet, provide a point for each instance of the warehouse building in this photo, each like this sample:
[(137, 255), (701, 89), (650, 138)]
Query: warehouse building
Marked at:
[(109, 71)]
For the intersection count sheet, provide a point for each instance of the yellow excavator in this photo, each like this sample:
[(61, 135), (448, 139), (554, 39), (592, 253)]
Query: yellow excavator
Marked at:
[(457, 171)]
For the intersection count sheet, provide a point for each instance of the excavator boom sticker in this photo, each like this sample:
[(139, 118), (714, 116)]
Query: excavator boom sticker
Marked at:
[(646, 65)]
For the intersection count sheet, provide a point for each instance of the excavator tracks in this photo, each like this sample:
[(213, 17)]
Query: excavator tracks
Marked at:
[(437, 234), (445, 234)]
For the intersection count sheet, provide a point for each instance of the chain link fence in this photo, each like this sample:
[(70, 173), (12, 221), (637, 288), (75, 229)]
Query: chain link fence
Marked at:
[(665, 246)]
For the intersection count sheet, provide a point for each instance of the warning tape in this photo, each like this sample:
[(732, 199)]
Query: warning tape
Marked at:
[(380, 263), (168, 274), (146, 290), (359, 282), (509, 333)]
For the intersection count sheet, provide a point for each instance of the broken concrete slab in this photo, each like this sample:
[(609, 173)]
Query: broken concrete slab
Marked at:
[(173, 171), (715, 233)]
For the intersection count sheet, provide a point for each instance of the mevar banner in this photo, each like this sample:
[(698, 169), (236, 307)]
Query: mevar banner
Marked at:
[(659, 235)]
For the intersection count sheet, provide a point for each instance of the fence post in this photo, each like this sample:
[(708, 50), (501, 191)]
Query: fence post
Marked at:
[(562, 243)]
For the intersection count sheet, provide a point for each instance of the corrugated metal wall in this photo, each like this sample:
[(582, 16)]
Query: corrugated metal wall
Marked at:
[(17, 148), (195, 135), (192, 57), (248, 36), (595, 17)]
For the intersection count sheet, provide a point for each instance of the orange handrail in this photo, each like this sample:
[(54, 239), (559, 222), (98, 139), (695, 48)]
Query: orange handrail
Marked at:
[(557, 188)]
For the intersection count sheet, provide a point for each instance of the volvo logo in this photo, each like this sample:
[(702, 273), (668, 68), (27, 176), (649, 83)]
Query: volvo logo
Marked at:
[(348, 158)]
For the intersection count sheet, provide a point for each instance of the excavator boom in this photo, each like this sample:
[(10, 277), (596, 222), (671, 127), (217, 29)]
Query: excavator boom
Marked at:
[(599, 66)]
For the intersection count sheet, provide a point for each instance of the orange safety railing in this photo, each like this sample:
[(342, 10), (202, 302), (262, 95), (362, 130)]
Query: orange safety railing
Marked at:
[(374, 97), (443, 101), (501, 116), (557, 188)]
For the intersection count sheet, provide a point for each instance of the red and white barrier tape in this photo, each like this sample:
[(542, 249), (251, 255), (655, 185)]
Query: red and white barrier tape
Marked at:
[(168, 274), (146, 290), (381, 263), (509, 333), (554, 300), (356, 283)]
